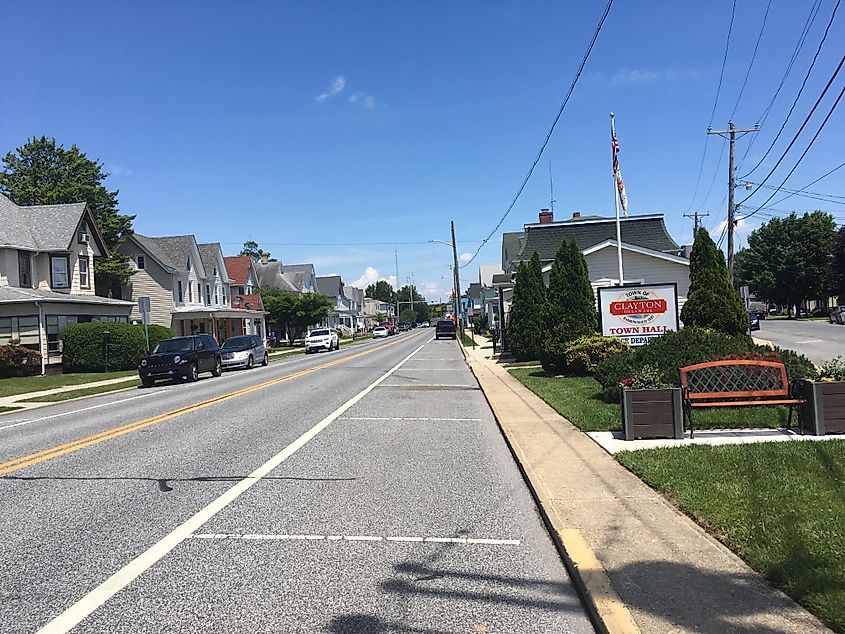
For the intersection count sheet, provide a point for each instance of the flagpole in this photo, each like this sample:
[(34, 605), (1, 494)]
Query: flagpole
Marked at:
[(616, 201)]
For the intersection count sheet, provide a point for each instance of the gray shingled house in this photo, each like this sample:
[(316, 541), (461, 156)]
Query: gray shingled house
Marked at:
[(47, 275)]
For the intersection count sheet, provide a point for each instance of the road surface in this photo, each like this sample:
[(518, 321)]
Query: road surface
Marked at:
[(366, 490), (817, 340)]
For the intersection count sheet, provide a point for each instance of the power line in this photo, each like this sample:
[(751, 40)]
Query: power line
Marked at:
[(346, 244), (797, 134), (753, 57), (828, 198), (549, 134), (825, 175), (800, 91), (800, 158)]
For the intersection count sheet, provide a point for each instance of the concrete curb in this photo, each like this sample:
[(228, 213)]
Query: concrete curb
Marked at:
[(604, 607)]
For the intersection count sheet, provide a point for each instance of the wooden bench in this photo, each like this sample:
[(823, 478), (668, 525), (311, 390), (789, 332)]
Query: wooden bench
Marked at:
[(736, 383)]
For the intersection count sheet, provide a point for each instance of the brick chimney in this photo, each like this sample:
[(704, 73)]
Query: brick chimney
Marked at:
[(547, 217), (265, 258), (576, 215)]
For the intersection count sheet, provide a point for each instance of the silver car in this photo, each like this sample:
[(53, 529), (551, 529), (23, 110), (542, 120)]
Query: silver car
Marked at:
[(244, 351)]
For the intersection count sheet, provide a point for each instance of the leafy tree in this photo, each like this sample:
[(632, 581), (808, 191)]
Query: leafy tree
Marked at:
[(408, 314), (292, 314), (570, 307), (525, 329), (712, 301), (252, 249), (382, 291), (42, 172), (423, 312), (837, 266), (791, 259)]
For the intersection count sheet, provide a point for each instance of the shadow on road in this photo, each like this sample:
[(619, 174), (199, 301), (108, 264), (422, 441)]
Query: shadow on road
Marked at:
[(163, 484)]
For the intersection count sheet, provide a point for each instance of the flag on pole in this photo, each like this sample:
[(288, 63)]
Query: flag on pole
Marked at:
[(617, 175)]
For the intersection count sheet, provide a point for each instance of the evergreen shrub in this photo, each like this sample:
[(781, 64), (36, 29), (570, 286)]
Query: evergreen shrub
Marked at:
[(83, 345)]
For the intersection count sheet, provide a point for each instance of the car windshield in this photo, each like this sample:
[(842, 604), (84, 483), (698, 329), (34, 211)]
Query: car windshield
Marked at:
[(318, 333), (236, 343), (184, 344)]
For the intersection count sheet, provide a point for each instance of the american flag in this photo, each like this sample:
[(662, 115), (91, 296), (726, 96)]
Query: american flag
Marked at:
[(617, 175)]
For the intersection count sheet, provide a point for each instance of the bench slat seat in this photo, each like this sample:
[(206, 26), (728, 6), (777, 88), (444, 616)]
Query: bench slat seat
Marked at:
[(736, 383)]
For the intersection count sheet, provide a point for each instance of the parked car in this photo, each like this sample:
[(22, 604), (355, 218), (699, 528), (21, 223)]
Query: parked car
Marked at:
[(837, 315), (322, 339), (391, 328), (754, 321), (379, 332), (425, 324), (445, 328), (181, 358), (243, 351)]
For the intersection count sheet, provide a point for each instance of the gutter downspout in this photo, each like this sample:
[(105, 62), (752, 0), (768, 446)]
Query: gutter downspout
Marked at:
[(41, 346)]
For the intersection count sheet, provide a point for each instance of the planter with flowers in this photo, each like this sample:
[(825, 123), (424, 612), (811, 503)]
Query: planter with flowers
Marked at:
[(823, 411), (651, 408)]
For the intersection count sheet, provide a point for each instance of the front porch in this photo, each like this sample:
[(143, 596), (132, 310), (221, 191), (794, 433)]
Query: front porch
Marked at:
[(220, 323)]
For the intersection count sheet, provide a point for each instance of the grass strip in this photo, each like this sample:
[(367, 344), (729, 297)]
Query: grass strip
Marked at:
[(86, 391), (579, 399), (780, 506), (5, 408), (23, 384)]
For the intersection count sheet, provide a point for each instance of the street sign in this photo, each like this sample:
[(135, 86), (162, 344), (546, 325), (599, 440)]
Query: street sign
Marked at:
[(144, 309), (638, 313)]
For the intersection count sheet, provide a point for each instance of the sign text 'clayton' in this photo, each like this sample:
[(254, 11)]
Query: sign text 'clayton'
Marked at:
[(636, 314)]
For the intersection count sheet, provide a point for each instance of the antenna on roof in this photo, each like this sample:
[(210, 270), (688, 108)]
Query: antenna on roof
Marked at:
[(551, 189)]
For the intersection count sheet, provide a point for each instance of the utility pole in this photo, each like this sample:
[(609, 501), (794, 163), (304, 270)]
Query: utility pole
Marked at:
[(396, 316), (696, 222), (732, 131), (457, 277)]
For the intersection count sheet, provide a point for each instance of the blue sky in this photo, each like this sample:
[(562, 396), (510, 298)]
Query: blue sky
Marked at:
[(370, 122)]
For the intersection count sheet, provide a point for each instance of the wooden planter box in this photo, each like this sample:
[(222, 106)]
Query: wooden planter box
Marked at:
[(652, 413), (824, 409)]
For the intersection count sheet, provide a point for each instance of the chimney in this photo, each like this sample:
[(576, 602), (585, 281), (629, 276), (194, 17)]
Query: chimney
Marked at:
[(546, 217), (576, 215), (265, 258)]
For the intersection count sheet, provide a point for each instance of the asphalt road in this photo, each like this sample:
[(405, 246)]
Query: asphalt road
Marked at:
[(366, 490), (817, 340)]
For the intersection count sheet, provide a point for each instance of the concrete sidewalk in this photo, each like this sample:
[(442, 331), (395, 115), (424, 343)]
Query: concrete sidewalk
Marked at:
[(666, 570)]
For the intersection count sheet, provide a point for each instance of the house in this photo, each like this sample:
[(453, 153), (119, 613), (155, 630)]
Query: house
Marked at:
[(356, 306), (344, 313), (293, 278), (188, 286), (243, 296), (373, 308), (47, 276)]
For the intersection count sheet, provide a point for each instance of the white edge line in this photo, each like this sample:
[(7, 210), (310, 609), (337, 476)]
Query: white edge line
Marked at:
[(74, 615), (359, 538)]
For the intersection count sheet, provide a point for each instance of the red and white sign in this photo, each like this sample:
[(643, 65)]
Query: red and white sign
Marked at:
[(638, 313)]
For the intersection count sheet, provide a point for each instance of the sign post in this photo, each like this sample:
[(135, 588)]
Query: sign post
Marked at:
[(144, 309), (637, 314)]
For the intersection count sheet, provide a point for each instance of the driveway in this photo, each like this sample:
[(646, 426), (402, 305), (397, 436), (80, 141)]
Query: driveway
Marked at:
[(817, 340)]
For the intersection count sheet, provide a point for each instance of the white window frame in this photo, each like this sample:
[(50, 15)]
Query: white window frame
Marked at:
[(64, 260)]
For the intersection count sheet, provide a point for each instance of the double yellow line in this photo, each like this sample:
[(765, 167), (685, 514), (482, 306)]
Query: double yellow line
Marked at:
[(76, 445)]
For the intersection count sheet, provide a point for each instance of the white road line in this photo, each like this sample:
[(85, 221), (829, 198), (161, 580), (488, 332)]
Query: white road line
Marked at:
[(413, 385), (421, 418), (361, 538), (433, 369), (95, 598), (811, 341), (84, 409)]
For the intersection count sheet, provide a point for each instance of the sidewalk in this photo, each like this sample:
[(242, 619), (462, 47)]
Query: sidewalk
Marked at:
[(666, 570)]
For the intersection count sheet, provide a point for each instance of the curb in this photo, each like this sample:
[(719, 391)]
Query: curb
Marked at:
[(604, 608)]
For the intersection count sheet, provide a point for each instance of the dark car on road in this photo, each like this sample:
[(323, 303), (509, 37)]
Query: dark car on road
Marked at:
[(445, 328), (754, 321), (181, 358)]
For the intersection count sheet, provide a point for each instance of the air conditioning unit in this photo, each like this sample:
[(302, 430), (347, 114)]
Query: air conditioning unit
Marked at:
[(83, 238)]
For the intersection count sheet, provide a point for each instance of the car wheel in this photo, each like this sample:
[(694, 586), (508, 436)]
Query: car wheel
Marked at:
[(218, 368), (266, 360), (192, 375), (147, 382), (250, 362)]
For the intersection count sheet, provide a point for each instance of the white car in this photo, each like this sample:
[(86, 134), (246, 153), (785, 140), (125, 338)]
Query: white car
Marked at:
[(379, 332), (244, 351), (321, 339)]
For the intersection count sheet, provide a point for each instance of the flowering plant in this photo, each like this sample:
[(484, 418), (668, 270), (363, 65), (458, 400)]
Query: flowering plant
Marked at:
[(648, 379), (833, 370)]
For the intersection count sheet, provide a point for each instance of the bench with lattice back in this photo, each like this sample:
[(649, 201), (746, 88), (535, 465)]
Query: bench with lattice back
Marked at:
[(736, 383)]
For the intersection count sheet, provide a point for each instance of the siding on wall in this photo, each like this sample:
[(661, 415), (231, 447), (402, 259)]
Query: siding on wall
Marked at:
[(155, 283), (603, 264)]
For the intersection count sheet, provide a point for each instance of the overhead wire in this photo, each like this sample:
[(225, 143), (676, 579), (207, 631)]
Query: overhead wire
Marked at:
[(548, 134)]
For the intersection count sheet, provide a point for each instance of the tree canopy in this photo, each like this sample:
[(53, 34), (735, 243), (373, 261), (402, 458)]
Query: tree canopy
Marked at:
[(382, 291), (292, 314), (252, 249), (42, 172), (525, 328)]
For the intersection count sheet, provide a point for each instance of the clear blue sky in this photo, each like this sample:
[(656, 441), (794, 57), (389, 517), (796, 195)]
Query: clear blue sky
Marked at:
[(209, 116)]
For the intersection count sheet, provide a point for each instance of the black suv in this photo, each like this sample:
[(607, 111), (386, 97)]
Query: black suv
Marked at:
[(445, 328), (181, 357)]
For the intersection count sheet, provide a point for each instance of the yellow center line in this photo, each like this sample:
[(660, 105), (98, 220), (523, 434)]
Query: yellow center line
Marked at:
[(81, 443)]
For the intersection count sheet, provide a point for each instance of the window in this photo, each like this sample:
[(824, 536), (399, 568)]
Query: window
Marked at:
[(5, 330), (142, 262), (190, 292), (24, 269), (28, 332), (179, 290), (84, 278), (59, 271), (215, 271), (188, 265), (208, 295), (82, 238)]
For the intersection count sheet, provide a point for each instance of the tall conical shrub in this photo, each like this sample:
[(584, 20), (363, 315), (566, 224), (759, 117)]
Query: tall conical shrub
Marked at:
[(570, 310), (712, 302), (525, 328)]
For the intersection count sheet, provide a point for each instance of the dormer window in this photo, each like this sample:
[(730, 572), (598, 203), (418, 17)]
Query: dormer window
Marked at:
[(189, 264), (215, 271), (83, 234), (59, 271), (142, 262)]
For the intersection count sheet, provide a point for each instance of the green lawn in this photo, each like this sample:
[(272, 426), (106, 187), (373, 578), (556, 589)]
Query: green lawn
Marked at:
[(578, 399), (23, 384), (86, 391), (468, 341), (8, 409), (781, 506)]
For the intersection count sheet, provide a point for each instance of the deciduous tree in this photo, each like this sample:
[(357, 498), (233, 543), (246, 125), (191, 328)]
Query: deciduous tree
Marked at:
[(292, 314), (382, 291)]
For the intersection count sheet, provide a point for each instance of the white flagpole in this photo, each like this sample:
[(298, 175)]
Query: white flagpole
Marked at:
[(616, 201)]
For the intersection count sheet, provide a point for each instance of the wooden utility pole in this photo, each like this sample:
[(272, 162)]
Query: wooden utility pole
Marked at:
[(696, 222), (457, 277), (731, 225)]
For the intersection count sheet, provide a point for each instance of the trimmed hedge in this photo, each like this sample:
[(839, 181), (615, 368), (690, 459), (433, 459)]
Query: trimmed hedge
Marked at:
[(15, 360), (583, 354), (82, 345)]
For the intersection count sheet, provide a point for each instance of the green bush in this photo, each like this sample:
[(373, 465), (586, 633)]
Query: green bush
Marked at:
[(15, 360), (480, 323), (583, 354), (82, 346)]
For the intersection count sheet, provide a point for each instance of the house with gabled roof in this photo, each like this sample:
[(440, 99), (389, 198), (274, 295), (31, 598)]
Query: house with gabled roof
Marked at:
[(189, 287), (47, 275), (292, 278)]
